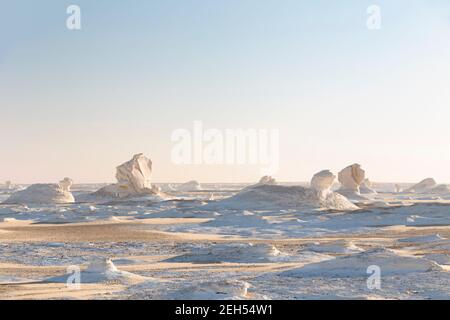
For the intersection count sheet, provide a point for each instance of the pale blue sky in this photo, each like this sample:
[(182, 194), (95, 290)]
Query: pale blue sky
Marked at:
[(78, 103)]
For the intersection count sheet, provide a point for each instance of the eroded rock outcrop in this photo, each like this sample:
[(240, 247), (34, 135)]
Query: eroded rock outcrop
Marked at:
[(192, 185), (265, 180), (133, 180), (50, 193), (423, 186), (101, 270), (322, 182), (65, 184), (267, 196), (366, 187), (351, 179)]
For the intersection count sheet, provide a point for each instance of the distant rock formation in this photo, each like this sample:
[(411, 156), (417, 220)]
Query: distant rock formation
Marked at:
[(101, 270), (265, 180), (133, 180), (366, 187), (398, 188), (167, 187), (442, 188), (192, 185), (266, 196), (423, 186), (51, 193), (65, 184), (8, 185), (322, 182), (351, 179)]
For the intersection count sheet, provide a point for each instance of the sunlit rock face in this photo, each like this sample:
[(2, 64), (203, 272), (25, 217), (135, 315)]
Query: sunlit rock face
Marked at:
[(321, 184), (322, 181), (423, 186), (351, 178), (136, 173), (50, 193), (133, 179)]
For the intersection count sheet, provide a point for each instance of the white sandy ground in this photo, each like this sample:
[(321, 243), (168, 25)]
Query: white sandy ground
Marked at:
[(192, 247)]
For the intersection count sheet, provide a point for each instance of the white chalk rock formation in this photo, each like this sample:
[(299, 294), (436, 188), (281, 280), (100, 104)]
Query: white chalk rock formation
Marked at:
[(51, 193), (319, 196), (102, 270), (135, 173), (423, 186), (398, 188), (133, 180), (192, 185), (265, 180), (351, 179), (366, 187), (8, 185), (65, 184), (322, 182)]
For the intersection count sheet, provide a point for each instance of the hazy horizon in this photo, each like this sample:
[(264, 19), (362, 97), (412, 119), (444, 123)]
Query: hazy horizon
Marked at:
[(78, 103)]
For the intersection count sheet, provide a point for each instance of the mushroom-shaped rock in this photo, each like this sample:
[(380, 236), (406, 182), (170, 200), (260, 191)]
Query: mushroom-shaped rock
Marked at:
[(423, 186), (322, 181), (352, 177), (51, 193), (133, 179)]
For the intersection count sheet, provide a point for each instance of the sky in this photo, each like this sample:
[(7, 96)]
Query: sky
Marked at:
[(78, 103)]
